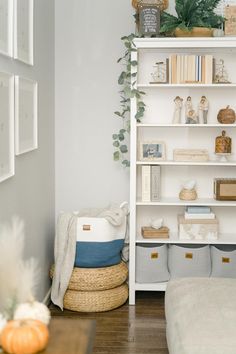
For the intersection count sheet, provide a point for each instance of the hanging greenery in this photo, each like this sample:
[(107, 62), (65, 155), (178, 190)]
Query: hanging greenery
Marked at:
[(127, 81)]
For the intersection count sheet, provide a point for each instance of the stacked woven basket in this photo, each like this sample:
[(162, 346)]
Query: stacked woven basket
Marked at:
[(96, 289)]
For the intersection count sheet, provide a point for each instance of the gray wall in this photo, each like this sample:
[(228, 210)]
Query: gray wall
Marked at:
[(87, 47), (30, 193)]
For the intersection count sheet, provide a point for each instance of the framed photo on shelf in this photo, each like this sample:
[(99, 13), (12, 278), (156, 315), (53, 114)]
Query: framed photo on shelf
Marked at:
[(6, 27), (24, 31), (152, 151), (26, 115), (7, 156)]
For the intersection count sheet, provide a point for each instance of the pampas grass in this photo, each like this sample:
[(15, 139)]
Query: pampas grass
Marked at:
[(18, 277)]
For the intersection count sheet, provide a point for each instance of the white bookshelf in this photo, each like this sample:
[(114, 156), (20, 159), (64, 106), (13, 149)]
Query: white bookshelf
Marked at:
[(156, 125)]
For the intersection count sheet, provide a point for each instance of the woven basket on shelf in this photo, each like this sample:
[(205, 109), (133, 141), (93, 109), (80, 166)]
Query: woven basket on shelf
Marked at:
[(164, 6), (90, 279), (188, 194), (96, 301)]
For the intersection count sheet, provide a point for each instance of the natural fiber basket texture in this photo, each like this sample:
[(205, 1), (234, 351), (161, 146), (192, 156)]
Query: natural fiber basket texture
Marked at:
[(96, 301), (92, 279), (188, 194), (164, 6)]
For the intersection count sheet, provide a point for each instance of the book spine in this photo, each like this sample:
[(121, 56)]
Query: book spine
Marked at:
[(155, 183), (198, 210), (178, 79), (199, 216), (146, 185)]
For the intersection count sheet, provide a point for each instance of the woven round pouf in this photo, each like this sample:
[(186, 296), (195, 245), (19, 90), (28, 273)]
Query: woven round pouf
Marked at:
[(92, 279), (96, 301)]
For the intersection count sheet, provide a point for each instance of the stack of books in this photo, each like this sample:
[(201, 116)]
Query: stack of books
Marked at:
[(191, 69), (198, 213), (151, 183)]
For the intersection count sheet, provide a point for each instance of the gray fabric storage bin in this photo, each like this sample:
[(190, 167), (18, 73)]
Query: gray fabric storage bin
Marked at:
[(223, 262), (189, 261), (151, 263)]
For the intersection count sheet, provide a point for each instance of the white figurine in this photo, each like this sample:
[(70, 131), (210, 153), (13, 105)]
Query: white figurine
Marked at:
[(192, 117), (188, 107), (178, 108), (203, 108)]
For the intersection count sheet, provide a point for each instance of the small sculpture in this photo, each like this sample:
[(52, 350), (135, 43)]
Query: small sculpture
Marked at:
[(188, 107), (178, 108), (226, 116), (203, 108), (188, 192), (223, 144), (192, 117)]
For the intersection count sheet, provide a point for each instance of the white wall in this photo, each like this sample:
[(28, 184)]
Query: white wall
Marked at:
[(30, 193), (87, 47)]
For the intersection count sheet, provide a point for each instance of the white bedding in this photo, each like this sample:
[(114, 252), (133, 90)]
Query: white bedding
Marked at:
[(201, 316)]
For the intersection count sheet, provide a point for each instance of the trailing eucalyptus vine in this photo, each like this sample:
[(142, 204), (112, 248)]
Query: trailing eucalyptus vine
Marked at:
[(127, 80)]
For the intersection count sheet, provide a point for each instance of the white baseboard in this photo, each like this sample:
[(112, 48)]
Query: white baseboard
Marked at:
[(47, 298)]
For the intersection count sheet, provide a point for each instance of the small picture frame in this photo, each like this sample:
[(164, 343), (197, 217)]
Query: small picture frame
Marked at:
[(152, 151), (6, 27), (7, 156), (160, 74), (26, 115), (24, 31)]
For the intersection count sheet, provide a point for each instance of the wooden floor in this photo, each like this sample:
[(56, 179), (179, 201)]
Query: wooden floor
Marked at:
[(138, 329)]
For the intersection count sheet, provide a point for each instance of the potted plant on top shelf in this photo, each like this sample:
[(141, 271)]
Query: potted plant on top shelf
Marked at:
[(195, 18)]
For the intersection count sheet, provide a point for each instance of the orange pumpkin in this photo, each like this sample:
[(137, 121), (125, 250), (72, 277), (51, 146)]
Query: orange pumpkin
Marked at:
[(24, 336)]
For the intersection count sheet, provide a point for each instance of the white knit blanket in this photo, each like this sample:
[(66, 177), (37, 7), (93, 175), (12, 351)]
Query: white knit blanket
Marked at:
[(65, 245), (201, 316)]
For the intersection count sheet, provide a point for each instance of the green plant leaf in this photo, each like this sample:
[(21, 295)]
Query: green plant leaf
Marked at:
[(116, 156), (126, 163), (114, 136), (121, 137), (118, 113), (122, 131), (116, 143), (123, 149), (134, 63)]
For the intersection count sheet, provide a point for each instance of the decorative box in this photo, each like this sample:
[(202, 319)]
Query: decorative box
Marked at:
[(150, 232), (190, 155), (197, 229), (225, 188)]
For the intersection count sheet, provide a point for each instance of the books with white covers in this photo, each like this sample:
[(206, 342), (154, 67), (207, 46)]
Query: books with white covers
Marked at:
[(146, 185), (199, 216), (198, 209), (155, 183)]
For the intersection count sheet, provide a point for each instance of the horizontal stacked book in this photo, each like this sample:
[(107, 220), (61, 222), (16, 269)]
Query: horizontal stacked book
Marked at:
[(198, 212), (191, 69), (198, 223), (151, 183)]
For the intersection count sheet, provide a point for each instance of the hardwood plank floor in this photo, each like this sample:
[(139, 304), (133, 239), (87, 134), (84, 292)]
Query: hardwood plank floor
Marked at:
[(135, 329)]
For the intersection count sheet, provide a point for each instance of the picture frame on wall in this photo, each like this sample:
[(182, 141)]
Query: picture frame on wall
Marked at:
[(7, 156), (6, 27), (26, 115), (152, 151), (24, 31)]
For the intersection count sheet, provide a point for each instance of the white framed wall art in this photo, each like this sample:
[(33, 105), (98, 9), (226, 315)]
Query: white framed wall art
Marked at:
[(26, 115), (24, 31), (7, 156), (6, 27)]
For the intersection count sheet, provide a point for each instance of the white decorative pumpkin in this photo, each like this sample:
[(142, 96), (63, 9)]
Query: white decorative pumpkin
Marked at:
[(33, 310)]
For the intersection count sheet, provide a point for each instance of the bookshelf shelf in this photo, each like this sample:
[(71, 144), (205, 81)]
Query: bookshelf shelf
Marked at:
[(156, 127), (167, 201), (189, 163), (215, 86), (229, 239)]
